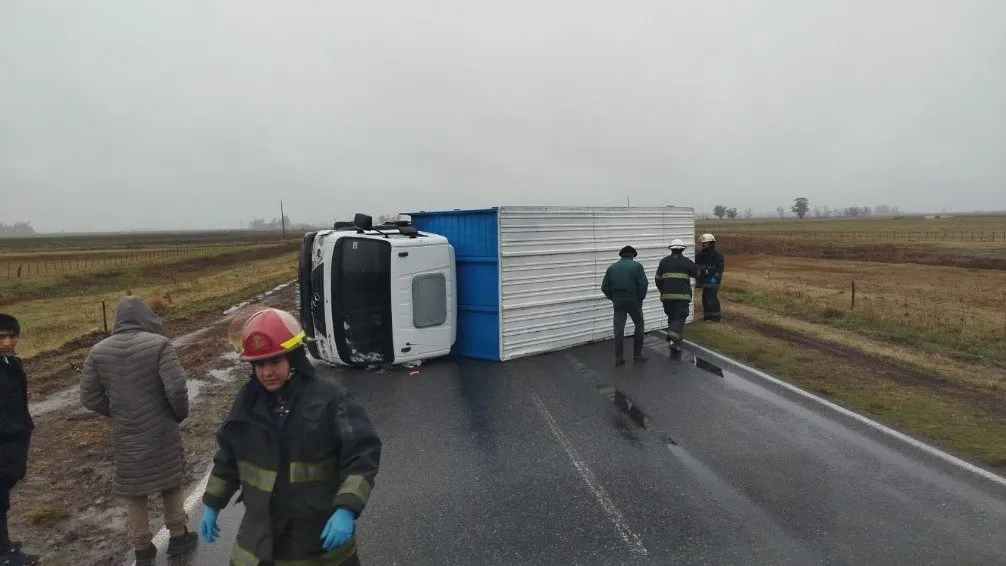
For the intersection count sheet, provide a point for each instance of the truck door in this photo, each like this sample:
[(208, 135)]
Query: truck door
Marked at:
[(425, 301)]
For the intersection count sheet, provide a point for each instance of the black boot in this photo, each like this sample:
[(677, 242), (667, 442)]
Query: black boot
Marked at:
[(146, 556), (182, 543)]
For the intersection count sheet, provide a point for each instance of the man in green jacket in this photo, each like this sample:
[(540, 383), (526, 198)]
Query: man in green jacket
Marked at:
[(625, 285)]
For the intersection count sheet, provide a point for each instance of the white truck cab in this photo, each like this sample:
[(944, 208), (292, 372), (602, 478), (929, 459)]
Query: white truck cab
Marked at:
[(377, 295)]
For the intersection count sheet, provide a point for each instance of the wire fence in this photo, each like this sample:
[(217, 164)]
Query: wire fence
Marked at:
[(954, 309), (963, 236), (33, 268)]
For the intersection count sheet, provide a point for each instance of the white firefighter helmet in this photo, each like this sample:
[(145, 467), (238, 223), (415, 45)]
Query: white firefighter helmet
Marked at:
[(677, 244), (706, 238)]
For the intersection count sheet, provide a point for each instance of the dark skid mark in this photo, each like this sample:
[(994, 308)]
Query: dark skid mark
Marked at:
[(711, 368), (621, 400)]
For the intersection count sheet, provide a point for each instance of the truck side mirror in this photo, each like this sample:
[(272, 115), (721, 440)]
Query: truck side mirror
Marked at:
[(363, 222)]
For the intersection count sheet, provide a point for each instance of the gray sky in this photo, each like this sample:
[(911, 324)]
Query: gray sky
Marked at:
[(204, 113)]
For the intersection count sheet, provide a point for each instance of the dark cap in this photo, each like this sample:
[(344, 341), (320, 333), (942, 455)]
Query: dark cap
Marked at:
[(9, 324), (628, 251)]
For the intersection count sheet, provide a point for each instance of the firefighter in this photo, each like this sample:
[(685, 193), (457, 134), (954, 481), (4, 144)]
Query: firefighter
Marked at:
[(303, 454), (710, 262), (625, 285), (674, 283)]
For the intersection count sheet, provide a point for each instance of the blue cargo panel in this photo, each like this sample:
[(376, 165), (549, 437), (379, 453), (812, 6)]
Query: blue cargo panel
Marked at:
[(475, 237)]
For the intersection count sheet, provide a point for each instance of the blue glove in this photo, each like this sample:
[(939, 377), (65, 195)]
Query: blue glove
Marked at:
[(208, 526), (338, 530)]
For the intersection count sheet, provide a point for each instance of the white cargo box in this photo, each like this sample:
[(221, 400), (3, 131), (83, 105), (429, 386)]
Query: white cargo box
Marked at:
[(529, 278)]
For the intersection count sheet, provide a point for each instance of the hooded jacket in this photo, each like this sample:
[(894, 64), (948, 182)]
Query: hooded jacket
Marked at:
[(134, 376)]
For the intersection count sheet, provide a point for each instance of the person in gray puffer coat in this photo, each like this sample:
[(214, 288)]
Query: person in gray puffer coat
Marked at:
[(135, 377)]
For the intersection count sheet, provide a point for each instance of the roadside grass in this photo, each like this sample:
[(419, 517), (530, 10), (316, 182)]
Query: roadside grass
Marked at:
[(952, 423), (958, 314), (829, 227), (105, 269), (48, 324)]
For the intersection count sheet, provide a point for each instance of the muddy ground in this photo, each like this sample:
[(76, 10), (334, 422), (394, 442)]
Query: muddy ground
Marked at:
[(64, 510)]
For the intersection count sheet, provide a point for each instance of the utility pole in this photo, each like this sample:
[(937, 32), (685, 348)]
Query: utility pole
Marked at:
[(627, 202), (282, 219)]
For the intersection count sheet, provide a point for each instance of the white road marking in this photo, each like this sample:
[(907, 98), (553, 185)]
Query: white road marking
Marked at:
[(588, 477), (950, 459)]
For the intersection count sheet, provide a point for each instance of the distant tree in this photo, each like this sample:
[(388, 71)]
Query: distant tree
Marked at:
[(866, 211), (387, 218), (748, 213), (17, 228), (732, 213), (719, 211), (703, 216), (780, 211), (800, 207), (825, 212)]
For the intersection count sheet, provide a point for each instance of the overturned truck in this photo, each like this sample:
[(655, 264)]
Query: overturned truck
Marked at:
[(495, 284)]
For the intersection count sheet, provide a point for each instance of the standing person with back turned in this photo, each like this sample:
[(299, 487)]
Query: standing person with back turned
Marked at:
[(710, 262), (135, 378), (625, 285), (16, 426), (303, 454), (674, 283)]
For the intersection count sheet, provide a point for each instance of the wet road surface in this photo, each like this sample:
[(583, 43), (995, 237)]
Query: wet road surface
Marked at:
[(564, 459)]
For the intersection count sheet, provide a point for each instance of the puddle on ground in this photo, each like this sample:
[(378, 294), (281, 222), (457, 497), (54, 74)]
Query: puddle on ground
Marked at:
[(71, 396)]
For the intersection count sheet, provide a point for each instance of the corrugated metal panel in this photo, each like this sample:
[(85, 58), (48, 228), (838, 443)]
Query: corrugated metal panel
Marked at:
[(552, 261), (474, 235)]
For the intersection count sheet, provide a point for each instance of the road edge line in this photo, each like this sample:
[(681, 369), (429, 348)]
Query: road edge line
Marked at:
[(588, 477), (914, 442)]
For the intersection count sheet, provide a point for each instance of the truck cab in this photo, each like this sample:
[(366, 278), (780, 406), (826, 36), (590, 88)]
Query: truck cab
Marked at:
[(377, 295)]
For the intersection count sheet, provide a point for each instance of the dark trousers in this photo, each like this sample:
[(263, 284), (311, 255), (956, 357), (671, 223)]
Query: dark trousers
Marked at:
[(710, 303), (624, 309), (677, 313), (5, 504)]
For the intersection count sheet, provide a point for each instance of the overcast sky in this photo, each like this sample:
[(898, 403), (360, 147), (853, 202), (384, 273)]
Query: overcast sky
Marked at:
[(151, 114)]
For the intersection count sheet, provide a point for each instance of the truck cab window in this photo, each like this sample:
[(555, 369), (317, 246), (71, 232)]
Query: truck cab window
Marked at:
[(361, 293), (429, 300)]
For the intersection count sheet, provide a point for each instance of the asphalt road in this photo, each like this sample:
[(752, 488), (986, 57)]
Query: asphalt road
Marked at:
[(564, 459)]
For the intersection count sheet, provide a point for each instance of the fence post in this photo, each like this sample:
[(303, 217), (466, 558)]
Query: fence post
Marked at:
[(853, 295), (104, 317)]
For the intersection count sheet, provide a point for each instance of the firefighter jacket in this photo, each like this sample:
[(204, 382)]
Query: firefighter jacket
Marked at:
[(625, 280), (710, 265), (16, 424), (674, 278), (296, 455)]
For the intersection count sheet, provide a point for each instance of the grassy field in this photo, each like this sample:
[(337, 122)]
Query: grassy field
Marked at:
[(923, 346), (60, 308)]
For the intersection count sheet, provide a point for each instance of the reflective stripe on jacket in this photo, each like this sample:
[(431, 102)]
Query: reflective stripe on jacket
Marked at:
[(674, 278), (293, 470)]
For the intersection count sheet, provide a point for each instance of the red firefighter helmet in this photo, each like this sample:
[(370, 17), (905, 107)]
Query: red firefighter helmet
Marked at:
[(270, 333)]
